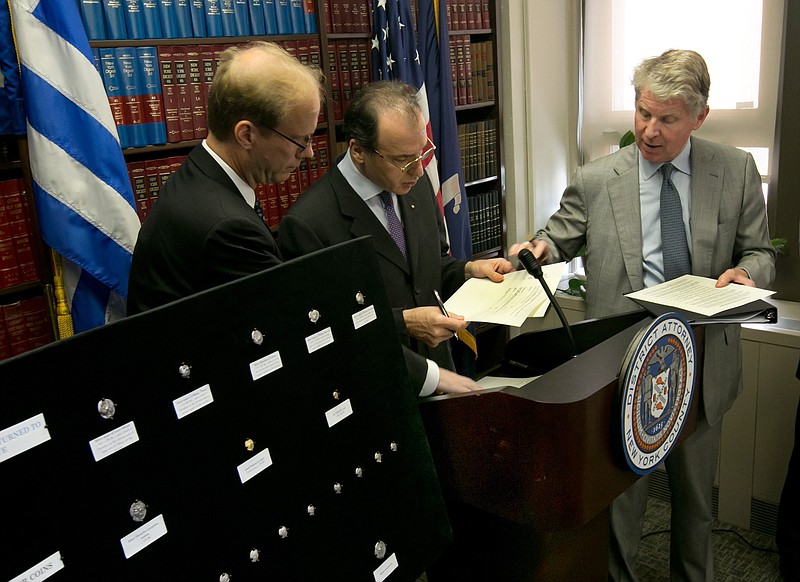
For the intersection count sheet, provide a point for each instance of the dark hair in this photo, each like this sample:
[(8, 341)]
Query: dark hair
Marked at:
[(259, 82), (375, 99)]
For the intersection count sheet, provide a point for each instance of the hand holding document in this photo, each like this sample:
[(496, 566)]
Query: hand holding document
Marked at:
[(701, 299), (509, 302)]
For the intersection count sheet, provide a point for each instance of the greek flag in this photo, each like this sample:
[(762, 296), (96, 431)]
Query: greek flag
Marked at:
[(80, 183)]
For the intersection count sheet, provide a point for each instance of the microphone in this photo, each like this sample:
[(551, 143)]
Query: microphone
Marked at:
[(535, 269)]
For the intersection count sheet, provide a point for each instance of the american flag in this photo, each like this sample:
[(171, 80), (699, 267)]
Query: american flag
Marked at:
[(395, 56), (80, 183)]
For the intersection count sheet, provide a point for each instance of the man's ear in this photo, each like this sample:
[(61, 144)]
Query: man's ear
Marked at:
[(357, 151), (245, 133)]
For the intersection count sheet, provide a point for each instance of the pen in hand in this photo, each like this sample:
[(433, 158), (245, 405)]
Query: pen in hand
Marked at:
[(443, 309)]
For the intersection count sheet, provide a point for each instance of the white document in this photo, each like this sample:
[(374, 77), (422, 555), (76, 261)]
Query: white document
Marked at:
[(698, 295), (510, 302), (501, 382)]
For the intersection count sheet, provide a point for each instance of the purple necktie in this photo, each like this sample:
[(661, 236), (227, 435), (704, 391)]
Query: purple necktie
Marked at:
[(395, 226)]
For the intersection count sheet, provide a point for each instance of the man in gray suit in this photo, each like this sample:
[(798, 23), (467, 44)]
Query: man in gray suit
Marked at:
[(613, 205)]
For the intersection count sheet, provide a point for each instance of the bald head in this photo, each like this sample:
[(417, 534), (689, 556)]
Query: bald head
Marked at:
[(259, 82)]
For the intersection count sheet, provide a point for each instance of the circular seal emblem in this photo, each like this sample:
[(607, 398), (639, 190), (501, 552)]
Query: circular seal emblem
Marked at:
[(657, 383)]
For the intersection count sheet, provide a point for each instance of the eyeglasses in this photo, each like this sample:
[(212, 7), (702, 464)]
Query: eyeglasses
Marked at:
[(300, 147), (423, 157)]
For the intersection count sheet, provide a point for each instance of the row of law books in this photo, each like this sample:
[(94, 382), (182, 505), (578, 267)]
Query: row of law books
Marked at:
[(350, 69), (468, 15), (156, 19), (484, 221), (472, 70), (158, 95), (348, 16), (17, 258), (147, 177), (478, 143), (24, 325)]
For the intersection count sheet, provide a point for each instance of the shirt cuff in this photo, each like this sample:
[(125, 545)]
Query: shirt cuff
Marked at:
[(431, 379)]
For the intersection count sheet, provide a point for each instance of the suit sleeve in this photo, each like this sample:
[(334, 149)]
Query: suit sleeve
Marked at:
[(752, 250), (565, 232), (234, 249), (296, 238)]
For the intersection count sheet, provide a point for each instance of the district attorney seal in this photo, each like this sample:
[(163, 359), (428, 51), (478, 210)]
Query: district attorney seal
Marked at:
[(657, 383)]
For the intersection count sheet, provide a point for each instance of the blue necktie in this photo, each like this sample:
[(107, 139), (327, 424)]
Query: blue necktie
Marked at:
[(674, 248), (259, 210), (395, 226)]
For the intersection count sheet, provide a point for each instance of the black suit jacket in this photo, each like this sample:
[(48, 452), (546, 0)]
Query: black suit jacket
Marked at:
[(332, 212), (200, 233)]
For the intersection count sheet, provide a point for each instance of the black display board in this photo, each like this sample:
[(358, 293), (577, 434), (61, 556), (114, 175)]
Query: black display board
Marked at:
[(58, 498)]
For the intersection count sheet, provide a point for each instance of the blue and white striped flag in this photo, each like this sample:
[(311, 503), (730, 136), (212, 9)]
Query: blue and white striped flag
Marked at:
[(80, 183)]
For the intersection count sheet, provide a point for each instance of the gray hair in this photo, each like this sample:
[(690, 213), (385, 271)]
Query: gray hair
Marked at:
[(675, 74)]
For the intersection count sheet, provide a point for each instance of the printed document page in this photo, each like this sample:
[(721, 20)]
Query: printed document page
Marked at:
[(698, 295), (510, 302)]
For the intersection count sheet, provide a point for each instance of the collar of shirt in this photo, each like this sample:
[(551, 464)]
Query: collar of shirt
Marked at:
[(647, 169), (367, 190), (244, 188)]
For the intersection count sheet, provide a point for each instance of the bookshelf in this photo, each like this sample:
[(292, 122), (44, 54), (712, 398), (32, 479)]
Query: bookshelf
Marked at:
[(341, 45)]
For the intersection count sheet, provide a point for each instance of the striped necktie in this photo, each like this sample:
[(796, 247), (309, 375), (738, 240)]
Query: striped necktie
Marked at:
[(259, 210), (674, 248)]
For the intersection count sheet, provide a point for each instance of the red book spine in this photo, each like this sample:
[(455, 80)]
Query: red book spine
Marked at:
[(153, 182), (315, 58), (468, 69), (453, 14), (347, 16), (485, 16), (185, 116), (272, 209), (294, 187), (336, 89), (345, 81), (302, 172), (462, 14), (5, 344), (136, 173), (208, 62), (170, 94), (364, 16), (197, 92), (37, 322), (9, 270), (470, 8), (364, 50), (355, 65), (321, 147), (326, 6), (336, 16), (283, 198), (17, 331)]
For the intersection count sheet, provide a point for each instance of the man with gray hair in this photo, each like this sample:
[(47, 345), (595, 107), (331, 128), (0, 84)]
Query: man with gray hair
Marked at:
[(205, 229), (674, 204)]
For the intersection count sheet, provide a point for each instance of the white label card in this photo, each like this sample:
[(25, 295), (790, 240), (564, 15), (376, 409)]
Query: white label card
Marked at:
[(319, 340), (142, 537), (254, 466), (382, 572), (114, 441), (365, 316), (23, 436), (339, 413), (193, 401), (43, 570), (265, 365)]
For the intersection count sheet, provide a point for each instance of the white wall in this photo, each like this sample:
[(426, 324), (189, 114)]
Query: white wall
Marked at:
[(539, 79)]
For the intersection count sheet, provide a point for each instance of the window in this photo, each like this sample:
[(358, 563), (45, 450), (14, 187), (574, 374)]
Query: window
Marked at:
[(740, 40)]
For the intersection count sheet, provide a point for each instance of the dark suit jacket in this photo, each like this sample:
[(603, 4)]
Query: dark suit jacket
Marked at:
[(332, 212), (200, 234)]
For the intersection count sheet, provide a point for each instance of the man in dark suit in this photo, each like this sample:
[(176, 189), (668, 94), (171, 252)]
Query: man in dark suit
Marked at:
[(205, 230), (379, 183), (614, 206)]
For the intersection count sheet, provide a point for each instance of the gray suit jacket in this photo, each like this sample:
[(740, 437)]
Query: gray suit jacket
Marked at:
[(729, 229), (331, 212)]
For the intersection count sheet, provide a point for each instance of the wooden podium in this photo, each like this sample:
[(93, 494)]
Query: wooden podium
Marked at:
[(528, 473)]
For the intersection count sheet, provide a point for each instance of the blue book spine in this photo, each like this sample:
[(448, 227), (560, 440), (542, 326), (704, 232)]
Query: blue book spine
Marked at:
[(198, 11), (228, 12), (283, 16), (108, 67), (257, 26), (270, 17), (134, 19), (93, 19), (309, 13), (152, 19), (153, 102), (169, 21), (297, 19), (115, 19), (127, 66), (96, 55), (241, 14), (213, 12), (183, 18)]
